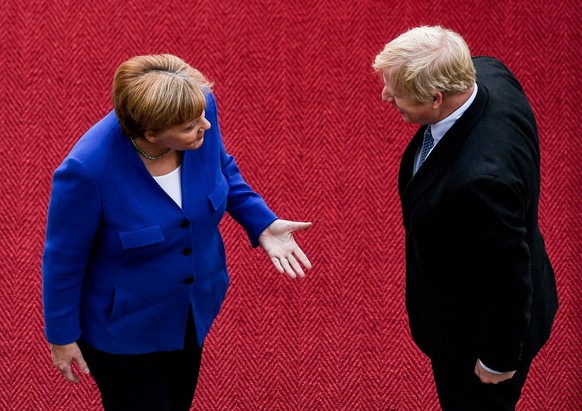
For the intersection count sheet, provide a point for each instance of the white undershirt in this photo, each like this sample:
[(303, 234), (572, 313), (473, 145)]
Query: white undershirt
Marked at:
[(172, 185)]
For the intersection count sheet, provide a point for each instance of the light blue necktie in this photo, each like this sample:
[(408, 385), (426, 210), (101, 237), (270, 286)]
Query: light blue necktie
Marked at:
[(427, 145)]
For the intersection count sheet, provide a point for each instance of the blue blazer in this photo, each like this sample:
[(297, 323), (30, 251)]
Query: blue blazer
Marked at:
[(122, 263)]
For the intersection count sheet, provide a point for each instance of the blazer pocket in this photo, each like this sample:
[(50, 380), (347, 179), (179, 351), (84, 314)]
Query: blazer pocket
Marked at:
[(141, 238), (218, 195), (133, 312)]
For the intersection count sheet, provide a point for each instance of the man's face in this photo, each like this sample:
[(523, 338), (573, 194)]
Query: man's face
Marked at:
[(411, 110)]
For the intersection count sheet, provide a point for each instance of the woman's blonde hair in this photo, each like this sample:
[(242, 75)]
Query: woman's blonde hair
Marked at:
[(424, 60), (156, 92)]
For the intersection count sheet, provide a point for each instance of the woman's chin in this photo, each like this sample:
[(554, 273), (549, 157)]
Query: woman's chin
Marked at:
[(197, 143)]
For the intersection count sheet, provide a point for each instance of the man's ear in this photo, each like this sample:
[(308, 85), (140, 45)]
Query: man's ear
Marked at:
[(437, 100)]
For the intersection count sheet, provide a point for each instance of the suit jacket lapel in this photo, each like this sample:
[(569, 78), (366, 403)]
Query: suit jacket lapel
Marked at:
[(407, 163), (411, 187)]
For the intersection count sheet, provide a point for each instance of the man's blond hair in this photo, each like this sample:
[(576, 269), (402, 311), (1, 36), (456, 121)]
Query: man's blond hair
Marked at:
[(424, 60)]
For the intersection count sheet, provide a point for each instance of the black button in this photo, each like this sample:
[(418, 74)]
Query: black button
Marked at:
[(185, 224), (187, 251), (188, 280)]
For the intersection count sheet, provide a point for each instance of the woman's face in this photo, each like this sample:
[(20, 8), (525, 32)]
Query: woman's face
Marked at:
[(186, 136)]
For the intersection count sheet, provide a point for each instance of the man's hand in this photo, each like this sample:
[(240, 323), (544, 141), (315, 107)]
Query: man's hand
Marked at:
[(487, 377), (63, 357), (278, 242)]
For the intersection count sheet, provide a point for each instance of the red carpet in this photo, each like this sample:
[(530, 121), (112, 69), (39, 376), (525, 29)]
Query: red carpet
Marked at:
[(300, 108)]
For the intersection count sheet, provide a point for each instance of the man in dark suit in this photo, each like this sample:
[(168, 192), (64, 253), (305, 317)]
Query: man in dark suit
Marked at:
[(480, 290)]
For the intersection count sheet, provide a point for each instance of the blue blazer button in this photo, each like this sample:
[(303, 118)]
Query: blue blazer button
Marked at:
[(187, 251)]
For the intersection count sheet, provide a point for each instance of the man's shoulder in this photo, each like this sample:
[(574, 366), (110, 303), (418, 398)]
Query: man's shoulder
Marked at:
[(502, 86), (490, 67), (487, 60)]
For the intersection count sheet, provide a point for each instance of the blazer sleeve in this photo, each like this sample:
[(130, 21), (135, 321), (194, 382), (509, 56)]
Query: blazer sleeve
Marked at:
[(491, 214), (247, 207), (73, 220)]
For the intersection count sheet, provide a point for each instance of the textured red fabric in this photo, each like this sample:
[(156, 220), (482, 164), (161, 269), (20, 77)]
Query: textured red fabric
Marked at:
[(300, 108)]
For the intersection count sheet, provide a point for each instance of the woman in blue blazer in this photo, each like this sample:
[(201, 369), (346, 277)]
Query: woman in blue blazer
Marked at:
[(134, 268)]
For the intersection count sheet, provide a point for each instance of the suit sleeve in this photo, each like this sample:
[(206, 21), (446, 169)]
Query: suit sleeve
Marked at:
[(73, 219), (491, 215), (244, 205)]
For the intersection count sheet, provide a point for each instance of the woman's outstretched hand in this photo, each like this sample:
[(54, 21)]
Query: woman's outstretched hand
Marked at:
[(278, 242)]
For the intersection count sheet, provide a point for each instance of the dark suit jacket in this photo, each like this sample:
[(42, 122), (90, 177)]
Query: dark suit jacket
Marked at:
[(479, 283)]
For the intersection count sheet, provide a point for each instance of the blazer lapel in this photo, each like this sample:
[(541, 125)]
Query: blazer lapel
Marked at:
[(407, 163), (197, 182), (411, 187)]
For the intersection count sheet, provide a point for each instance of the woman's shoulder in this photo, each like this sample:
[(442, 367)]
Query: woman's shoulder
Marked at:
[(99, 142), (97, 138), (211, 107)]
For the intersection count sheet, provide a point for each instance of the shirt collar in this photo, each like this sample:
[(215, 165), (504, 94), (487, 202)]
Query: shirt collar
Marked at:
[(439, 129)]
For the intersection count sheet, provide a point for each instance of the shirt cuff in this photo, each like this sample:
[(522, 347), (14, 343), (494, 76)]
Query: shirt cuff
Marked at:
[(489, 369)]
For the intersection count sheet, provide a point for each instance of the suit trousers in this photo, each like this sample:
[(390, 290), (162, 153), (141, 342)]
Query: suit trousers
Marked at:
[(459, 388), (159, 381)]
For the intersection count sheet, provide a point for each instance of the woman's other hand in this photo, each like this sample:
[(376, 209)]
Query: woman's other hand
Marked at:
[(278, 242), (63, 357)]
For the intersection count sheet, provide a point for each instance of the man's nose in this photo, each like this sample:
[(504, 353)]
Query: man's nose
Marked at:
[(387, 98)]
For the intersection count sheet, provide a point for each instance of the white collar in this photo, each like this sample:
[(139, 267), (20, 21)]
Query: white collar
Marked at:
[(439, 128)]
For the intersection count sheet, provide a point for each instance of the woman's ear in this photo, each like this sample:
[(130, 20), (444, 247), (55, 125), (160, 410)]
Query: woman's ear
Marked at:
[(150, 136)]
